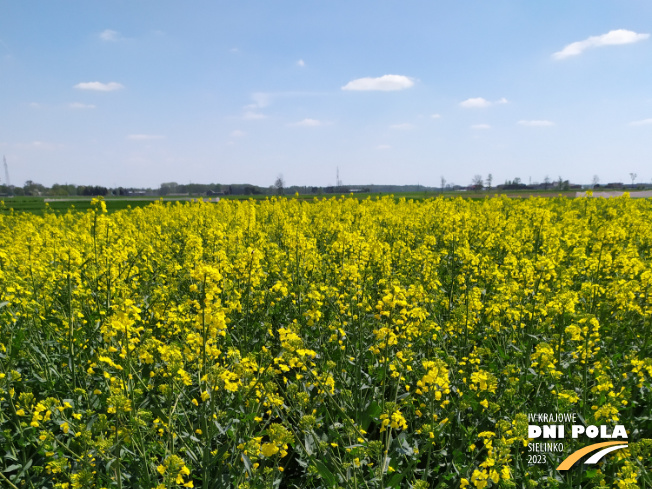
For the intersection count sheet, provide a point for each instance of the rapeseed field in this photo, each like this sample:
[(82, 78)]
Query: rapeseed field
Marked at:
[(379, 343)]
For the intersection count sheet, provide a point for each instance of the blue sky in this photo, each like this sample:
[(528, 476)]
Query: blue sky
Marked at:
[(140, 92)]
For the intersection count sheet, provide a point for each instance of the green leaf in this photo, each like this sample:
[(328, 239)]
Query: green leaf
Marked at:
[(247, 463), (325, 474), (25, 469), (395, 480), (309, 445), (371, 413), (590, 474), (458, 456)]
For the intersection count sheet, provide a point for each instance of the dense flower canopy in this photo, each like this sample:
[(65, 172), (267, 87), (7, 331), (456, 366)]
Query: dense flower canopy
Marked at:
[(374, 343)]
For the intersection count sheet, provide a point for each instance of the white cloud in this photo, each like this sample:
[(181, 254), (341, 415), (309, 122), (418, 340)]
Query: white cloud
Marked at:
[(307, 123), (42, 145), (35, 105), (144, 137), (480, 103), (644, 122), (237, 133), (383, 83), (265, 99), (261, 99), (301, 63), (234, 50), (109, 35), (480, 126), (383, 146), (99, 86), (402, 127), (435, 116), (536, 123), (611, 38), (78, 105), (252, 116)]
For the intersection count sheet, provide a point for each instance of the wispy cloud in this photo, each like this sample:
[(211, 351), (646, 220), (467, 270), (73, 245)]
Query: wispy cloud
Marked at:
[(261, 99), (383, 146), (480, 126), (237, 133), (611, 38), (42, 145), (383, 83), (644, 122), (79, 105), (406, 126), (541, 123), (250, 115), (144, 137), (110, 35), (435, 116), (307, 123), (99, 86), (34, 105), (301, 63), (480, 103)]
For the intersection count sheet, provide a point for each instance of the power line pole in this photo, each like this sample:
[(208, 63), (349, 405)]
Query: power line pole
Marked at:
[(7, 181)]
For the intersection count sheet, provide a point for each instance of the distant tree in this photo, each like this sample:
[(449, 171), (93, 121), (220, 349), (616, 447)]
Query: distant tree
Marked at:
[(633, 177), (546, 182), (59, 190), (93, 191), (596, 181), (33, 188), (515, 184), (477, 182), (443, 183), (489, 180), (168, 188), (279, 184), (250, 190)]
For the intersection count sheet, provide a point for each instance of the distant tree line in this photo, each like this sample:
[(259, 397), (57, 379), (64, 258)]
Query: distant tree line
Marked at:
[(172, 189), (33, 189)]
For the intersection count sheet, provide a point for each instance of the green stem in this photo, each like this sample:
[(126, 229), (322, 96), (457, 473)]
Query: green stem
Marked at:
[(11, 484)]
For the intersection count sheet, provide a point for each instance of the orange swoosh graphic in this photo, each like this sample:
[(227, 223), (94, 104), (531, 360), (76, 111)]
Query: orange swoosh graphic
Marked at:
[(575, 456)]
